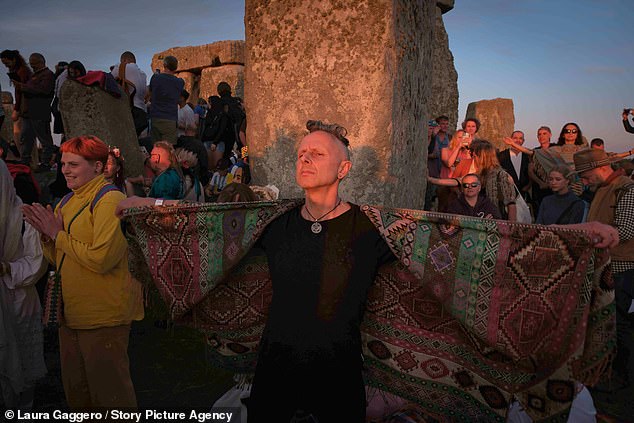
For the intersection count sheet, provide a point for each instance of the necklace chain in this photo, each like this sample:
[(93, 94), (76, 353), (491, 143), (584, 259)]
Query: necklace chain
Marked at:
[(323, 215)]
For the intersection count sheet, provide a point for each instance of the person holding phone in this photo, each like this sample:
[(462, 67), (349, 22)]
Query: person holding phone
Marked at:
[(626, 122), (459, 159)]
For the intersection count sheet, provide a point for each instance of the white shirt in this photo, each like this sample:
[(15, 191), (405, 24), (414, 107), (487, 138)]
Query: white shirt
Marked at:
[(516, 159), (186, 121), (135, 75), (60, 81)]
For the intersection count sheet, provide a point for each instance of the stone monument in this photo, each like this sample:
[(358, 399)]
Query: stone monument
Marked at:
[(204, 67), (444, 92), (365, 65), (92, 111), (497, 119)]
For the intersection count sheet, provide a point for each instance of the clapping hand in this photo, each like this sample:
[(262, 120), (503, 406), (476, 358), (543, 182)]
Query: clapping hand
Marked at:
[(43, 219)]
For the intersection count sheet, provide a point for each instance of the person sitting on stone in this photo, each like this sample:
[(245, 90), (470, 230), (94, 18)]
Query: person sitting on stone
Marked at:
[(76, 69), (134, 80), (58, 187), (470, 202), (563, 207)]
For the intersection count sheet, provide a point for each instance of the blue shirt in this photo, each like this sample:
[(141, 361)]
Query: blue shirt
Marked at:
[(166, 91), (168, 186)]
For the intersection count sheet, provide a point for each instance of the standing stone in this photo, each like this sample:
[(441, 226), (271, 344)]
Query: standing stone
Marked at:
[(91, 111), (444, 96), (497, 119), (191, 84), (196, 58), (6, 132), (231, 74), (203, 67), (365, 65)]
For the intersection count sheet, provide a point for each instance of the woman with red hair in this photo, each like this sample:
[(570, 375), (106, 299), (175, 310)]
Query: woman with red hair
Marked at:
[(83, 238)]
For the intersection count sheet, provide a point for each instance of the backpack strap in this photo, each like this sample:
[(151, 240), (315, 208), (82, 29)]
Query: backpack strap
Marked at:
[(65, 199), (103, 191), (128, 87)]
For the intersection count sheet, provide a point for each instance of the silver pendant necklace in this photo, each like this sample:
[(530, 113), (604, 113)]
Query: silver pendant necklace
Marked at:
[(316, 226)]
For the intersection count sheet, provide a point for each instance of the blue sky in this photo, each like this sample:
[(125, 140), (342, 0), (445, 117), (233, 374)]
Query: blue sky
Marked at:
[(560, 61)]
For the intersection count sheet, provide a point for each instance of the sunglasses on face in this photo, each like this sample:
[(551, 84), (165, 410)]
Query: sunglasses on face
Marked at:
[(570, 131), (471, 185)]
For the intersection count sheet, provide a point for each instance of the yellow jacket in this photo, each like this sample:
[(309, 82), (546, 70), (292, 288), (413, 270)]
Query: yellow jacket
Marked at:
[(97, 288)]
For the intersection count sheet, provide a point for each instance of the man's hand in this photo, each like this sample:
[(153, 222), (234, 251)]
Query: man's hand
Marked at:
[(603, 236), (509, 141)]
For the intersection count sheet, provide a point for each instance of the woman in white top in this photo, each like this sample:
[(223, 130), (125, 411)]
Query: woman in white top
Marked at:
[(21, 266)]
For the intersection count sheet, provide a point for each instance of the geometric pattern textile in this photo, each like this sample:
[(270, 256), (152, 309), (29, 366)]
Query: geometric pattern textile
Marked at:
[(473, 314)]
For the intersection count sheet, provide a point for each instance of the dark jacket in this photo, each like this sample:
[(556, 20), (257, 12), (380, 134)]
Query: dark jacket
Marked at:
[(484, 208), (21, 74), (522, 180), (38, 93)]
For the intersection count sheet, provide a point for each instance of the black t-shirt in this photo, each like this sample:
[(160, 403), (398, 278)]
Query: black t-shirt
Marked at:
[(320, 286)]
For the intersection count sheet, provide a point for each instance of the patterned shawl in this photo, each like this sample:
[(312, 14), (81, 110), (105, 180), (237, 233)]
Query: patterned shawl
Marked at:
[(546, 160), (473, 314)]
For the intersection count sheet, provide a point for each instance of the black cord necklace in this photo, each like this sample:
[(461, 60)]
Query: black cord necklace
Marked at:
[(316, 226)]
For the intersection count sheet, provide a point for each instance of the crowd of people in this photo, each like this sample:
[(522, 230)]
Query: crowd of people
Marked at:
[(514, 177), (70, 226), (199, 153), (203, 147)]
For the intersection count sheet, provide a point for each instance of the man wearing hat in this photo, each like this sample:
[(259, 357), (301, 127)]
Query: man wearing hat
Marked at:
[(613, 204)]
